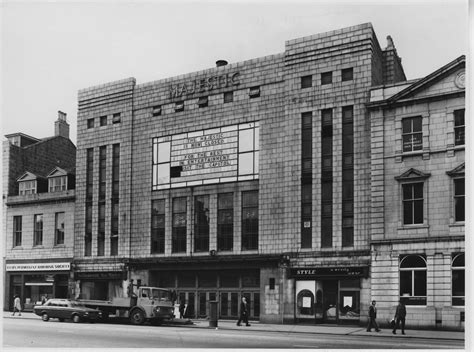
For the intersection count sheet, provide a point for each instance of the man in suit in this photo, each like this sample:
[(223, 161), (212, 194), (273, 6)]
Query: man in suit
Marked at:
[(244, 312)]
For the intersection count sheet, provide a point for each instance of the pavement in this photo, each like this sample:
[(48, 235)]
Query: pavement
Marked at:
[(327, 329)]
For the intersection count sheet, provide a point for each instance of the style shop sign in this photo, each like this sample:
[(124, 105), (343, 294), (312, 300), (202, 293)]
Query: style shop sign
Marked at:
[(38, 266)]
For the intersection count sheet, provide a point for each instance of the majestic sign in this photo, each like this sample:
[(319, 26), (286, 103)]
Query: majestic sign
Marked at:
[(204, 85), (314, 273), (38, 266)]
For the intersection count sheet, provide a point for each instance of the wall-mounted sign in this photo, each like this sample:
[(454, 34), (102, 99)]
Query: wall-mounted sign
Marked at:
[(38, 266), (101, 275), (216, 155), (204, 85), (314, 273)]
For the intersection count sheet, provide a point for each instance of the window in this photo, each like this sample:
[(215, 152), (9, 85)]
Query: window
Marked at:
[(88, 232), (102, 172), (459, 127), (156, 110), (228, 97), (27, 187), (57, 184), (347, 74), (412, 203), (326, 78), (101, 229), (90, 123), (225, 221), (38, 230), (458, 279), (59, 229), (412, 134), (179, 106), (347, 176), (249, 220), (178, 236), (158, 226), (254, 92), (306, 81), (459, 194), (326, 177), (413, 280), (248, 151), (203, 102), (116, 118), (114, 222), (306, 179), (88, 208), (103, 120), (17, 224), (201, 223)]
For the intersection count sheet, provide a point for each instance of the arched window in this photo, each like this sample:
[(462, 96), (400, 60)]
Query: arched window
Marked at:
[(457, 279), (413, 279), (305, 302)]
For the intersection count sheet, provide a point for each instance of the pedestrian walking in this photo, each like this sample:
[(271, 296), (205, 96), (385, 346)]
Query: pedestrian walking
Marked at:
[(400, 315), (244, 312), (16, 305), (182, 307), (372, 317)]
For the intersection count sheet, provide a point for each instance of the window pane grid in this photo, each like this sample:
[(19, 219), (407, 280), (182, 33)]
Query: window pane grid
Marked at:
[(249, 220), (178, 236), (412, 135), (225, 221)]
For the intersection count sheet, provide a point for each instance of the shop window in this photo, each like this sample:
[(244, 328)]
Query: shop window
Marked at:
[(178, 236), (412, 135), (305, 303), (225, 221), (203, 102), (90, 123), (458, 279), (17, 230), (229, 279), (158, 226), (201, 223), (326, 78), (306, 81), (207, 279), (347, 74), (103, 120), (59, 228), (156, 110), (459, 127), (187, 279), (413, 280), (228, 97), (412, 203), (254, 92), (459, 199), (249, 220), (38, 230), (116, 118)]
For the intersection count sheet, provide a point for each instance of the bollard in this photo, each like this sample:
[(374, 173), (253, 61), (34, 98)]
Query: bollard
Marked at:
[(213, 314)]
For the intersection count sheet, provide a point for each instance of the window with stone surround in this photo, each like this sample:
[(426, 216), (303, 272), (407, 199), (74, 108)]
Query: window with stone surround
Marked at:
[(158, 226), (306, 81), (17, 230), (413, 280), (178, 235), (59, 228), (225, 221), (459, 199), (412, 135), (38, 230), (412, 203), (459, 127), (201, 223), (457, 279), (326, 78), (249, 220)]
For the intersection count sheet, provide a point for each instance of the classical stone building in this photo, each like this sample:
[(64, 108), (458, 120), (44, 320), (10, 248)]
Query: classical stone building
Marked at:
[(38, 191), (417, 198)]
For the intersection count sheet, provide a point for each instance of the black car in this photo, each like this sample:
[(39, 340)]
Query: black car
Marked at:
[(66, 309)]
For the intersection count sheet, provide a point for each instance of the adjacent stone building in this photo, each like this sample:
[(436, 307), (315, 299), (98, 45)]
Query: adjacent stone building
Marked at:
[(38, 192)]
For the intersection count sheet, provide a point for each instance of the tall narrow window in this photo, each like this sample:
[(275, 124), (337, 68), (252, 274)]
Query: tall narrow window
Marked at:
[(459, 127), (413, 280), (347, 176), (459, 194), (101, 204), (249, 220), (306, 179), (114, 223), (88, 208), (59, 228), (17, 228), (102, 172), (412, 134), (326, 177), (225, 221), (38, 230), (458, 279), (158, 226), (413, 203), (178, 236), (101, 229), (201, 223)]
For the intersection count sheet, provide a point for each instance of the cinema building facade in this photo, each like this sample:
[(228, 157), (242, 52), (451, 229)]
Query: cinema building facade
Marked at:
[(248, 179)]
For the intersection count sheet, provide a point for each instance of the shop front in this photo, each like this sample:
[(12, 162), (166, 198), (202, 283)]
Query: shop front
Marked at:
[(328, 295), (33, 282), (100, 285)]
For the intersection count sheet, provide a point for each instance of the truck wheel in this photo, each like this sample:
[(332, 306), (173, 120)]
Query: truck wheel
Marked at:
[(76, 318), (137, 317), (45, 317)]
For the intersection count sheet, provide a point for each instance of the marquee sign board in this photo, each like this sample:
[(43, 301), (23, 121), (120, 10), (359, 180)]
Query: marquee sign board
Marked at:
[(38, 266)]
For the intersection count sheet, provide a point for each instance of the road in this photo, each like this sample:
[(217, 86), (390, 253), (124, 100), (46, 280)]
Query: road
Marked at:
[(27, 333)]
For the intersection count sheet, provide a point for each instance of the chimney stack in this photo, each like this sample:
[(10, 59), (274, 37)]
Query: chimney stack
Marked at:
[(61, 127)]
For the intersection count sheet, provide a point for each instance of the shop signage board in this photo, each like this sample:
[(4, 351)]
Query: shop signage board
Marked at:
[(106, 275), (38, 266), (336, 272)]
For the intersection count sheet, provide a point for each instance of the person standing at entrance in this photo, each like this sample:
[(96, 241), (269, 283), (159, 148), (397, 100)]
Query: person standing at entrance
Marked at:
[(400, 315), (372, 317), (16, 305), (182, 307), (244, 312)]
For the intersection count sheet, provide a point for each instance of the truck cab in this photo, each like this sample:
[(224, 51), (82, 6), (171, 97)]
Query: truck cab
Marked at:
[(152, 303)]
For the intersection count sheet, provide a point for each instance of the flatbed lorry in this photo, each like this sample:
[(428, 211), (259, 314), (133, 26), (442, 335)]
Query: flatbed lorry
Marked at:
[(150, 304)]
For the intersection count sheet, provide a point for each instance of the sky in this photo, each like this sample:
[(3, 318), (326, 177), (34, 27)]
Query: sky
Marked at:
[(50, 50)]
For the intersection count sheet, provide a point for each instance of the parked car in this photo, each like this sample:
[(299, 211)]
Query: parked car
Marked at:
[(66, 309)]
